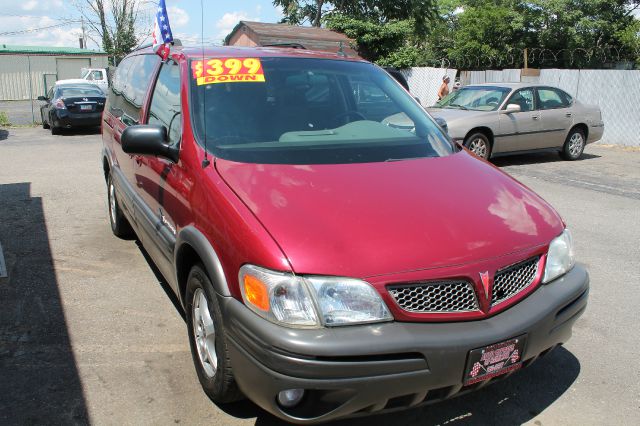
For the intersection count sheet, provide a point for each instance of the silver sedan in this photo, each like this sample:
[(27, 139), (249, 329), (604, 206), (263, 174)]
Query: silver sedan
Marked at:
[(492, 119)]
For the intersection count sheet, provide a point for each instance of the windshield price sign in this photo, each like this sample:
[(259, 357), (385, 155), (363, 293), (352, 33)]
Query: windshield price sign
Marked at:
[(227, 70)]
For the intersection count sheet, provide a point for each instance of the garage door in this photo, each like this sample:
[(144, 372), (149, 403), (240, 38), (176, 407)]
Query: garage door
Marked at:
[(70, 67)]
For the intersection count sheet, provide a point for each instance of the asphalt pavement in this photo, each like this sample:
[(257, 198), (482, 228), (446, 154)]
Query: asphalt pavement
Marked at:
[(88, 334)]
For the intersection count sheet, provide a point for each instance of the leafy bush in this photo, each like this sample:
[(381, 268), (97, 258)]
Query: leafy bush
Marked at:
[(4, 119)]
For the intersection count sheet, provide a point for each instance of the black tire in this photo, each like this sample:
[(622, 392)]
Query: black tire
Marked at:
[(120, 226), (45, 124), (574, 145), (217, 382), (479, 144)]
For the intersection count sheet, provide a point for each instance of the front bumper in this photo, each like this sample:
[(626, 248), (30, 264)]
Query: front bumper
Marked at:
[(66, 119), (364, 369)]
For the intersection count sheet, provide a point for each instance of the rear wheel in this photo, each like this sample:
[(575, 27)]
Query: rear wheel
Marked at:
[(208, 339), (479, 144), (45, 124), (54, 129), (574, 145), (119, 224)]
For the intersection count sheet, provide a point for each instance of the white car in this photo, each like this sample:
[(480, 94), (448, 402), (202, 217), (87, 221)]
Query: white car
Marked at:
[(97, 76), (501, 118)]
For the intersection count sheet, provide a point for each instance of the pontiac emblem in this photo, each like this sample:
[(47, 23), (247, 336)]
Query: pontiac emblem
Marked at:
[(484, 277)]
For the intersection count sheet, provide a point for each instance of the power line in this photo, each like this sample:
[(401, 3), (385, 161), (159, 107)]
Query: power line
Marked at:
[(33, 30)]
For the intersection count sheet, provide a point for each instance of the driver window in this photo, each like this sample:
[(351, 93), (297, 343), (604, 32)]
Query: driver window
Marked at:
[(165, 107), (524, 98)]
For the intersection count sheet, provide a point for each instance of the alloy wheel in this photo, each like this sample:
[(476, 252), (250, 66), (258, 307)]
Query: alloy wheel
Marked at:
[(576, 144), (479, 147), (112, 204), (204, 333)]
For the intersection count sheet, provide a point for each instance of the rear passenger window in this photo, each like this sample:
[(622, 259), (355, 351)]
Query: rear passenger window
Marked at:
[(129, 86), (165, 102), (553, 98)]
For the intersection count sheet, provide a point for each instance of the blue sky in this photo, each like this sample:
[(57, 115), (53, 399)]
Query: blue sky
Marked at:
[(185, 17)]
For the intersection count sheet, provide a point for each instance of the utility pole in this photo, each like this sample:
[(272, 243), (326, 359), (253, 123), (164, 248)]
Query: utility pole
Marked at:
[(84, 37)]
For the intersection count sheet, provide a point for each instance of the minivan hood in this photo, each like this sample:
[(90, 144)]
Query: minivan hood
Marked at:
[(361, 220)]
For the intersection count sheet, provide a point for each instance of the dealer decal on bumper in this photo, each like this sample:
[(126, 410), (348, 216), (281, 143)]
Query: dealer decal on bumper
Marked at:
[(494, 360)]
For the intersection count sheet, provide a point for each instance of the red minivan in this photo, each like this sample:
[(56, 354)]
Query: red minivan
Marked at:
[(335, 253)]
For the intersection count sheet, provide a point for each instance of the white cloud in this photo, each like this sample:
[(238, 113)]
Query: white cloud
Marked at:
[(230, 20), (61, 36), (177, 17), (30, 5)]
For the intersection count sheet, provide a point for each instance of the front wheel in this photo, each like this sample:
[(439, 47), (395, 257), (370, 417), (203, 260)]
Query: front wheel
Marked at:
[(208, 340), (479, 144), (119, 224), (574, 145)]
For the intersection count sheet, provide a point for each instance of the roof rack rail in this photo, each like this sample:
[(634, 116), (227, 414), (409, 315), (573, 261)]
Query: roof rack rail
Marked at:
[(284, 45), (175, 42)]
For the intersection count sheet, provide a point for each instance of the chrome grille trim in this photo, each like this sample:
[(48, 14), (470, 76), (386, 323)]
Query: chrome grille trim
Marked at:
[(511, 280), (435, 297)]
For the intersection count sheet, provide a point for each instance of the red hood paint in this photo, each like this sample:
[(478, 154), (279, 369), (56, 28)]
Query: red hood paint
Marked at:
[(363, 220)]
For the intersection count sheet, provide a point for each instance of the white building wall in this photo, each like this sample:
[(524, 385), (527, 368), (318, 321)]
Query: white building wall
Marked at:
[(17, 70)]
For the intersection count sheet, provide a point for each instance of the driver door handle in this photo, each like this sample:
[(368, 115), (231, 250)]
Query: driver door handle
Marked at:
[(536, 117), (568, 115)]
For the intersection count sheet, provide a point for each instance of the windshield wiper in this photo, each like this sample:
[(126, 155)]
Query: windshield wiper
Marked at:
[(460, 106)]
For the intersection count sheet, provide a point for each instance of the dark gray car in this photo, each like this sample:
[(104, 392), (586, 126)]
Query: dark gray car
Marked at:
[(492, 119)]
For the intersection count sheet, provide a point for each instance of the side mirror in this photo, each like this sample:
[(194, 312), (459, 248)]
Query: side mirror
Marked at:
[(148, 139), (43, 98), (511, 108)]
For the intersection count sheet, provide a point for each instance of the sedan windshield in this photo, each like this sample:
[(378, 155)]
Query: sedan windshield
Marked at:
[(308, 111), (475, 98)]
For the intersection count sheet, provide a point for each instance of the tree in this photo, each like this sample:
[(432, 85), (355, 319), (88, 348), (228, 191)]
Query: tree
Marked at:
[(113, 24), (387, 44), (381, 11)]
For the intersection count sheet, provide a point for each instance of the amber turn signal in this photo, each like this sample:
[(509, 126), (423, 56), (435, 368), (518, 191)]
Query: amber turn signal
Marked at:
[(256, 292)]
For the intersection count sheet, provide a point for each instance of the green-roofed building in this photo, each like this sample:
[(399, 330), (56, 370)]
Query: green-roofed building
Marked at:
[(27, 71)]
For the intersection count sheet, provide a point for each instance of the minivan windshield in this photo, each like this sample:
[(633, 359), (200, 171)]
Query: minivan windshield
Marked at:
[(475, 98), (308, 111)]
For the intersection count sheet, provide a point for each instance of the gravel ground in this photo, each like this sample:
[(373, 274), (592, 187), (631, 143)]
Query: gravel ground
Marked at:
[(88, 335)]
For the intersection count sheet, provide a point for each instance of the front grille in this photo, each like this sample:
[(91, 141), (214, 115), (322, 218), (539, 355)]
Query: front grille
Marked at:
[(434, 297), (513, 279)]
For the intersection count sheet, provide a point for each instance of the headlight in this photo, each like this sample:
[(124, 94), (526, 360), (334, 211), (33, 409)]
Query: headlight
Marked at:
[(312, 301), (560, 258)]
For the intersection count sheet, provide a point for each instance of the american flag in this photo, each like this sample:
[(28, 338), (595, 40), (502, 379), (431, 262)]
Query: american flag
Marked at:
[(162, 36)]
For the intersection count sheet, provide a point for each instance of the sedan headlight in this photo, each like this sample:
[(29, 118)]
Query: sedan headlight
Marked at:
[(560, 258), (310, 301)]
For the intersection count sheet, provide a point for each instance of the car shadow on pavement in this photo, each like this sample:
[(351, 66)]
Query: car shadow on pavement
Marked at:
[(39, 381), (514, 400), (79, 131), (4, 134), (533, 158)]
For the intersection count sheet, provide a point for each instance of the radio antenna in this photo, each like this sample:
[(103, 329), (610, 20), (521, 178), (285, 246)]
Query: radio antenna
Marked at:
[(206, 161)]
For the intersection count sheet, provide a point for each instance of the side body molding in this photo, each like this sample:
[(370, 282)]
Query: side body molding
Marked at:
[(189, 236)]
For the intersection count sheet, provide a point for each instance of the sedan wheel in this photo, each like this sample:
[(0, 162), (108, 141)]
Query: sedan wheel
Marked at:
[(478, 143), (574, 145)]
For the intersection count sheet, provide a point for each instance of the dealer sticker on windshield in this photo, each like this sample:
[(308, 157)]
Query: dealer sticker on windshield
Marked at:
[(494, 360), (227, 70)]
